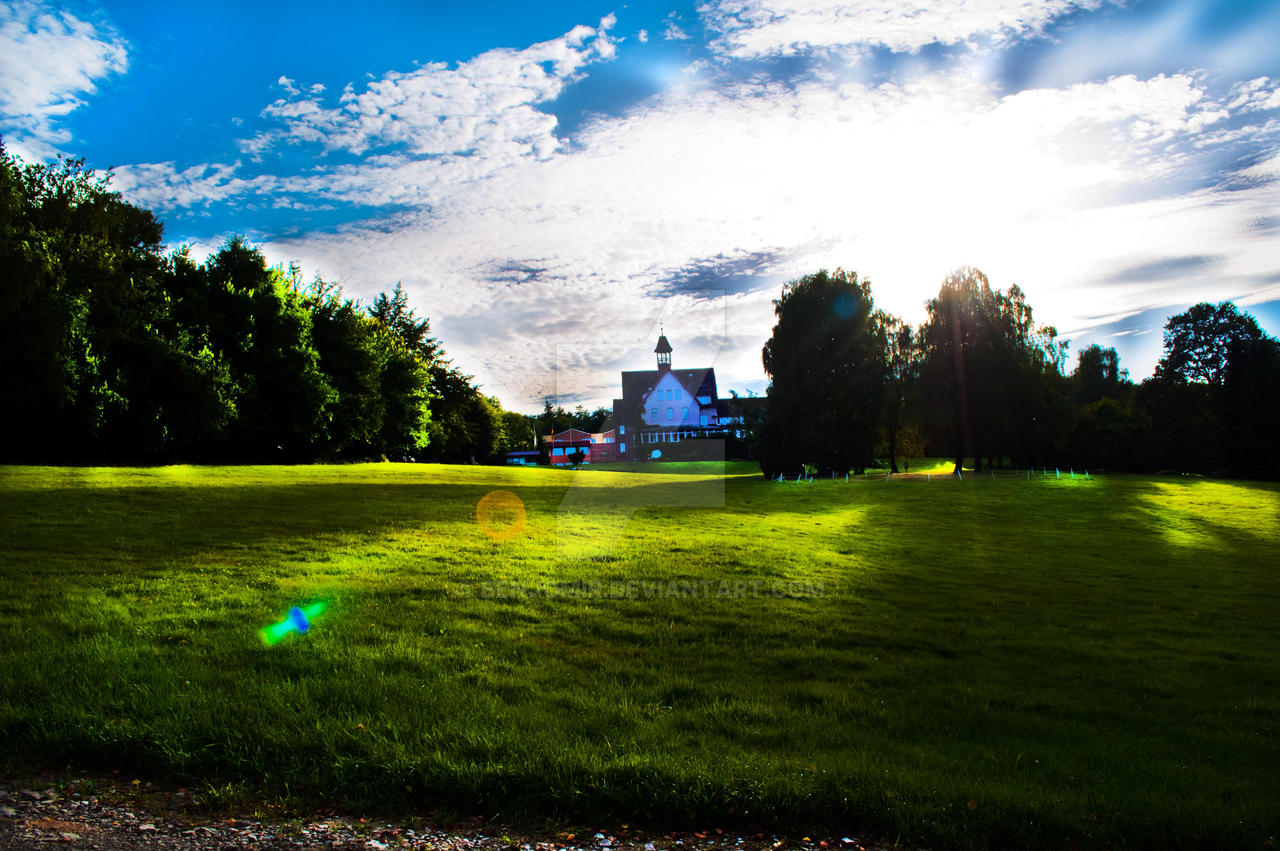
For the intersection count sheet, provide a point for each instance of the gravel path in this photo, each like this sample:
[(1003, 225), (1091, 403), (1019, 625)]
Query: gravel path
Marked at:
[(108, 813)]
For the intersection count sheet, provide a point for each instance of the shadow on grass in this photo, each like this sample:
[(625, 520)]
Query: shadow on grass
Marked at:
[(978, 664)]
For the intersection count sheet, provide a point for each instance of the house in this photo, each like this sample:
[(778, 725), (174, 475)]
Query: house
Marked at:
[(576, 446), (522, 457), (663, 407)]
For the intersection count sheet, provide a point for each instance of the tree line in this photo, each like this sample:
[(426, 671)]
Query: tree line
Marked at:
[(115, 352), (981, 382)]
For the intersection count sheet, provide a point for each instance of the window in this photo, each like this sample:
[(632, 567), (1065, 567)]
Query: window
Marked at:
[(679, 396), (557, 451), (703, 419), (685, 415), (653, 413), (622, 429), (622, 447), (671, 414)]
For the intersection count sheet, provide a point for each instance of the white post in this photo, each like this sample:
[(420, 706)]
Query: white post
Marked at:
[(1057, 474)]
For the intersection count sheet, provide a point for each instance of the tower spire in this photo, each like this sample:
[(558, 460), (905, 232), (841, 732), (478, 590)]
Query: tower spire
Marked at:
[(663, 351)]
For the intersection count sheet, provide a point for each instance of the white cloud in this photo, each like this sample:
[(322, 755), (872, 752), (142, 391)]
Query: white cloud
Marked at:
[(1256, 95), (49, 62), (901, 182), (528, 253), (749, 28), (165, 186), (484, 108), (1266, 170), (673, 32)]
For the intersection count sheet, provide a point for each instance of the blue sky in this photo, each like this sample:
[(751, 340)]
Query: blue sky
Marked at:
[(553, 182)]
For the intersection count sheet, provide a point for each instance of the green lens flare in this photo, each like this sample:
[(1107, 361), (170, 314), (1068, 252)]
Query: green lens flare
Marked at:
[(297, 620)]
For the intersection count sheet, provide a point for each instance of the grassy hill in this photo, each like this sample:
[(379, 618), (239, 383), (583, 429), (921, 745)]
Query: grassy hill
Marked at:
[(979, 662)]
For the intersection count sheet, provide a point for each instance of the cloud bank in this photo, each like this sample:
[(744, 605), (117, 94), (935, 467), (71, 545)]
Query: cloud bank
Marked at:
[(50, 62), (546, 261)]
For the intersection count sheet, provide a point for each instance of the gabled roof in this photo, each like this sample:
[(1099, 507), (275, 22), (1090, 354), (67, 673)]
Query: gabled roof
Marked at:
[(570, 434), (637, 384)]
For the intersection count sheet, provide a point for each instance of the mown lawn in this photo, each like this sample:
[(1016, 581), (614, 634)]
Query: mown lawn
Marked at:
[(974, 663)]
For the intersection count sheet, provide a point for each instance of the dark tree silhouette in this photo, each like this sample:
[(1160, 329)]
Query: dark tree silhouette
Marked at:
[(1198, 341), (826, 362)]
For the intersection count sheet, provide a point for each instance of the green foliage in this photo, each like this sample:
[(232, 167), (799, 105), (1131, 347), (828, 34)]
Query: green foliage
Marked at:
[(827, 365), (1211, 401), (1197, 342), (396, 315), (517, 431), (992, 378), (119, 353), (1251, 408), (1098, 375), (467, 426), (266, 337)]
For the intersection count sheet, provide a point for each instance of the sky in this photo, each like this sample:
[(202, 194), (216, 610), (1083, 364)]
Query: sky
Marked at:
[(555, 183)]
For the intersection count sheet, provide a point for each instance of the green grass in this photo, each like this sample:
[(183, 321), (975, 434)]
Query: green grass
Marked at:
[(987, 662)]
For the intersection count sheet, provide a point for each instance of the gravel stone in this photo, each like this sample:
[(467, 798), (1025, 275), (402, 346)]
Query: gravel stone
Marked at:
[(110, 814)]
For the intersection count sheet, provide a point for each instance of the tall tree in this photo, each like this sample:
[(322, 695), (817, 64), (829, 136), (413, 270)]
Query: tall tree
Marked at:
[(348, 342), (1185, 398), (1251, 407), (902, 362), (264, 330), (991, 374), (827, 368), (1198, 341), (394, 312), (92, 344), (1098, 374)]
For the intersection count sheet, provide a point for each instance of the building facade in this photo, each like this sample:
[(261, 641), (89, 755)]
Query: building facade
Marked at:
[(664, 407), (574, 446)]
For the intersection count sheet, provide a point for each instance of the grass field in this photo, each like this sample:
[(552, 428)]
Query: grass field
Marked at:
[(978, 663)]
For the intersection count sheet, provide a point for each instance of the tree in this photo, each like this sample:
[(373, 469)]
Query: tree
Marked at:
[(517, 432), (352, 358), (827, 368), (394, 313), (1185, 399), (264, 330), (902, 356), (93, 345), (1107, 427), (990, 373), (1198, 341), (553, 419), (1251, 404), (1098, 375)]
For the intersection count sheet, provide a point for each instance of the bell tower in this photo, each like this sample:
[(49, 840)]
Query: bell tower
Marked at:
[(663, 351)]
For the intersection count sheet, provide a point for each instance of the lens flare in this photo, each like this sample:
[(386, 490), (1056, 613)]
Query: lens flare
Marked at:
[(297, 620), (500, 515)]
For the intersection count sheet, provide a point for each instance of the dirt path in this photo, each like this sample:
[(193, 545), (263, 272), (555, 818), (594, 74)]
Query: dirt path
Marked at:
[(110, 813)]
